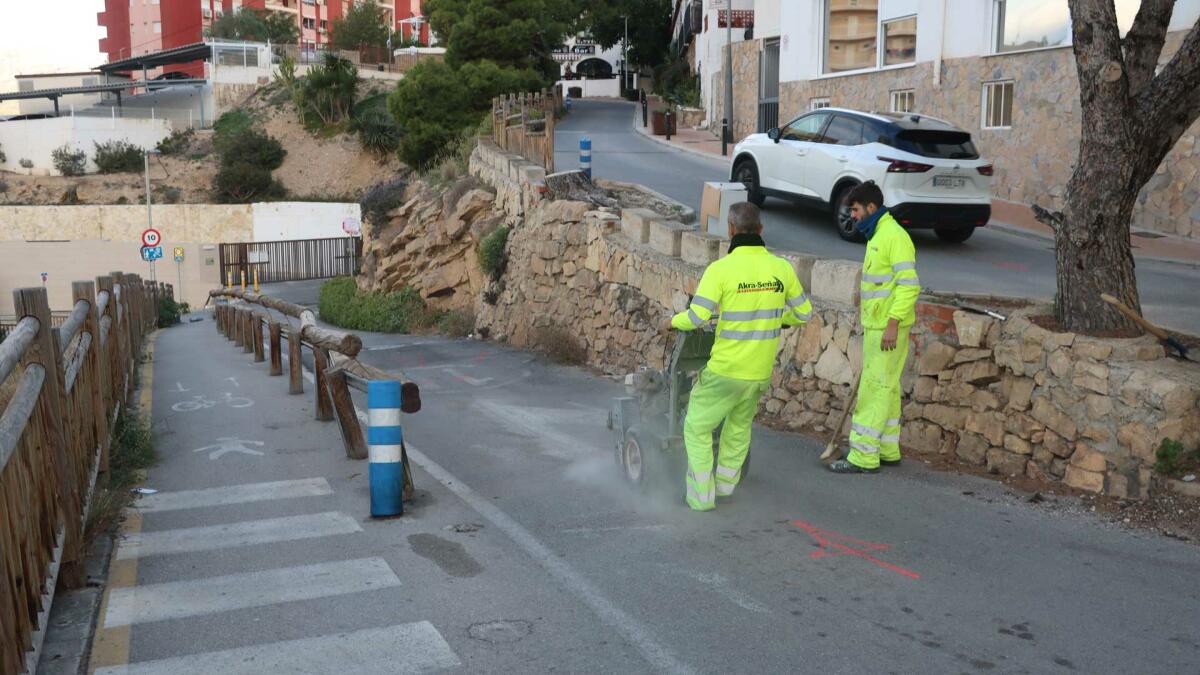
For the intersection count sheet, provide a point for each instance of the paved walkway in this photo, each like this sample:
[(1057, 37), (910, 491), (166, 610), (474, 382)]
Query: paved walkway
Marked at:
[(1006, 215)]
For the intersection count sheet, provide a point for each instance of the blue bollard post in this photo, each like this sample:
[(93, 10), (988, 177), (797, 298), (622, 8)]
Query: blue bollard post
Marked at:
[(585, 156), (385, 472)]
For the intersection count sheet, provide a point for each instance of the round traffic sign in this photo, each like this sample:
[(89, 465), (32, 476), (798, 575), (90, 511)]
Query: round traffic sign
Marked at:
[(151, 237)]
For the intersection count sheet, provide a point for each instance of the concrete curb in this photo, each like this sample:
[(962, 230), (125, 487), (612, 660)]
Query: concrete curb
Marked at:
[(1018, 231), (642, 131), (686, 213)]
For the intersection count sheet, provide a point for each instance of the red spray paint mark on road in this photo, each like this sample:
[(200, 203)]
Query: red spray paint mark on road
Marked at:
[(833, 544)]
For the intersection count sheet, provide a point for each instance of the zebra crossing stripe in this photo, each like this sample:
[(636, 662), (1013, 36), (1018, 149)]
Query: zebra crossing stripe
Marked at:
[(409, 648), (181, 599), (233, 535), (234, 494)]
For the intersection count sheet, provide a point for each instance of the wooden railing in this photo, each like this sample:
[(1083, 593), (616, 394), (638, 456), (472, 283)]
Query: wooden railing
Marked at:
[(65, 386), (524, 124), (244, 315)]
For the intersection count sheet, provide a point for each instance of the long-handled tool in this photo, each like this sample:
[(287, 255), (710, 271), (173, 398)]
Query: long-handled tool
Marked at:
[(831, 448), (1150, 328)]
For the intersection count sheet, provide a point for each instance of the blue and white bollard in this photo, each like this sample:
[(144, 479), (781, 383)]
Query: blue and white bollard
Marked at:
[(385, 472), (585, 156)]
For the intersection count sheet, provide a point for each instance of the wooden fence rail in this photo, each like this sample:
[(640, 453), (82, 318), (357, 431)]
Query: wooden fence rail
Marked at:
[(61, 389), (524, 124), (241, 317)]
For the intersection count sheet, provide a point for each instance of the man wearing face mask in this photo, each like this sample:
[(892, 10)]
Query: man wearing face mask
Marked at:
[(887, 311)]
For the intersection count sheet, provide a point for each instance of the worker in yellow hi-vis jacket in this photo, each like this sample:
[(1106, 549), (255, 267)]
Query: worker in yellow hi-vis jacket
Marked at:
[(758, 294), (888, 309)]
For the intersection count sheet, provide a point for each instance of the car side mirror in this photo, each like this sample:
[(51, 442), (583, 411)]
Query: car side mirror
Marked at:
[(774, 134)]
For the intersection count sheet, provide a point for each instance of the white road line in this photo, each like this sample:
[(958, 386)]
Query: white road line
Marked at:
[(406, 648), (616, 528), (234, 494), (609, 613), (232, 535), (180, 599), (541, 424), (721, 586)]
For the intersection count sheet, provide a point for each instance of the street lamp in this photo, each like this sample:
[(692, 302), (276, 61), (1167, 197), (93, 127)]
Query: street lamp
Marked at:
[(625, 57), (149, 216)]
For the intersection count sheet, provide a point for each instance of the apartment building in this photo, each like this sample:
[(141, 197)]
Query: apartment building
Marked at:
[(1002, 69)]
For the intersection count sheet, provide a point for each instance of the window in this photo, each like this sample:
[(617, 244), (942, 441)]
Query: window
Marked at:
[(903, 101), (844, 131), (310, 24), (1030, 24), (997, 105), (157, 26), (943, 144), (25, 85), (900, 41), (851, 35), (806, 128), (818, 103)]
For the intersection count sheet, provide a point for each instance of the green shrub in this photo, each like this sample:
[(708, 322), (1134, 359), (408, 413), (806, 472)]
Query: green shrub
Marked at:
[(68, 161), (1174, 460), (378, 133), (118, 157), (491, 252), (380, 198), (325, 96), (342, 304), (177, 143), (456, 323), (229, 127), (255, 148), (169, 312), (131, 453), (241, 183)]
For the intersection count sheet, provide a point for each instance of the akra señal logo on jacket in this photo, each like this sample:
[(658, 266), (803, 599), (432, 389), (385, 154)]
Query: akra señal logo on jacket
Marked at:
[(761, 286)]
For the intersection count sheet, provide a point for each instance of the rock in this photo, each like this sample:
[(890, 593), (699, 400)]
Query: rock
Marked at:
[(1020, 393), (1022, 425), (1008, 356), (836, 281), (635, 223), (854, 352), (1137, 438), (1005, 463), (978, 373), (1088, 459), (1082, 479), (666, 237), (1090, 348), (1057, 445), (793, 409), (700, 248), (971, 449), (774, 406), (972, 329), (1091, 384), (1095, 433), (833, 366), (1053, 418), (469, 208), (950, 419), (1091, 376), (969, 355), (988, 425), (1098, 407), (808, 348), (935, 358), (923, 389), (841, 338), (1118, 486), (1017, 445), (1059, 363), (1034, 471), (921, 436)]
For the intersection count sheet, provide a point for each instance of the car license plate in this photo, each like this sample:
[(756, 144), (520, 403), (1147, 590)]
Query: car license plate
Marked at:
[(949, 181)]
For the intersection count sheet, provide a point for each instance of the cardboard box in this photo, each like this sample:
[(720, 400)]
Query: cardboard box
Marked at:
[(715, 203)]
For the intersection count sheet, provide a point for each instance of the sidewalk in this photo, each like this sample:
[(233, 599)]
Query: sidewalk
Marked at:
[(1007, 216)]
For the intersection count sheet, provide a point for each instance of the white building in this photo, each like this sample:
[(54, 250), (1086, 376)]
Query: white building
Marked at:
[(587, 66), (60, 81)]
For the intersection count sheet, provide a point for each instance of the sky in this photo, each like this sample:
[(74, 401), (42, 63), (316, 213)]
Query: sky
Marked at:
[(38, 36)]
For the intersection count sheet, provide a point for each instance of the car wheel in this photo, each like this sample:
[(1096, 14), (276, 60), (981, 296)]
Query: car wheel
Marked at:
[(955, 235), (841, 216), (746, 173)]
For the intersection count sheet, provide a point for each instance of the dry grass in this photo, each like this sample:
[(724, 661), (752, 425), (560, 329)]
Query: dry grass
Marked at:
[(131, 453), (560, 345)]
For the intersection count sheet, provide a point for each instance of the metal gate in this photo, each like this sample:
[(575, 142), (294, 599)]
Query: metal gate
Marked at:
[(294, 260), (768, 86)]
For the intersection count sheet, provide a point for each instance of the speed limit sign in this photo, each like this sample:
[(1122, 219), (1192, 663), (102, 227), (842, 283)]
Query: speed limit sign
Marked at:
[(151, 237)]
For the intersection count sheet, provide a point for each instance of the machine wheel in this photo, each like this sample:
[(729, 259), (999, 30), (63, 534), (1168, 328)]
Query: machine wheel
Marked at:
[(746, 173), (955, 235), (634, 460)]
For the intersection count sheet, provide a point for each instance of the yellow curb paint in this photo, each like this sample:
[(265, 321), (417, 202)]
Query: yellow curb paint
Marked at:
[(111, 645)]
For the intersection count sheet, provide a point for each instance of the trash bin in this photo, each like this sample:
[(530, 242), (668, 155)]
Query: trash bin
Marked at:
[(658, 120)]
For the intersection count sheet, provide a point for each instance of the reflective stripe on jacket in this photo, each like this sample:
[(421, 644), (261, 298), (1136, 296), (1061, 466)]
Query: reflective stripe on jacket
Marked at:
[(889, 277), (757, 294)]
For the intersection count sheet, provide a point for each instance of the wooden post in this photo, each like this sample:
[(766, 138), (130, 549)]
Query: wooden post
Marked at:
[(86, 290), (107, 355), (296, 383), (237, 326), (231, 327), (347, 418), (120, 337), (324, 411), (248, 331), (256, 335), (33, 302), (276, 357)]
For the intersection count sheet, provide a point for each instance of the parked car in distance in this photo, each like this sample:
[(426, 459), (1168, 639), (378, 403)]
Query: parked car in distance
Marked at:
[(929, 170), (28, 116)]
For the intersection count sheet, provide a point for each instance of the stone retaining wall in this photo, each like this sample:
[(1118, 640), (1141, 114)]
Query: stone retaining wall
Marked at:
[(1011, 397)]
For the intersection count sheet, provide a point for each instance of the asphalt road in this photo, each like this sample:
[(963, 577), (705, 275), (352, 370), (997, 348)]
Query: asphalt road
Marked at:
[(909, 571), (991, 262)]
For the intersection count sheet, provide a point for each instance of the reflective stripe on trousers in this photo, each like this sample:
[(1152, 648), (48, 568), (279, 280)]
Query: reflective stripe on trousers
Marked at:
[(716, 399), (875, 429)]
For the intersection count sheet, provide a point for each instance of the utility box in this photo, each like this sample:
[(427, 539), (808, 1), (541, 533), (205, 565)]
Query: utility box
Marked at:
[(714, 206)]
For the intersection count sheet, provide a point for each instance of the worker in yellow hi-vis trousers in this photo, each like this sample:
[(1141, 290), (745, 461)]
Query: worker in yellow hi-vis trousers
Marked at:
[(758, 294), (888, 309)]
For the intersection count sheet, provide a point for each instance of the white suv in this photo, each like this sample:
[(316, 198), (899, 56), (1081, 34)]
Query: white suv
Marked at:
[(928, 169)]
